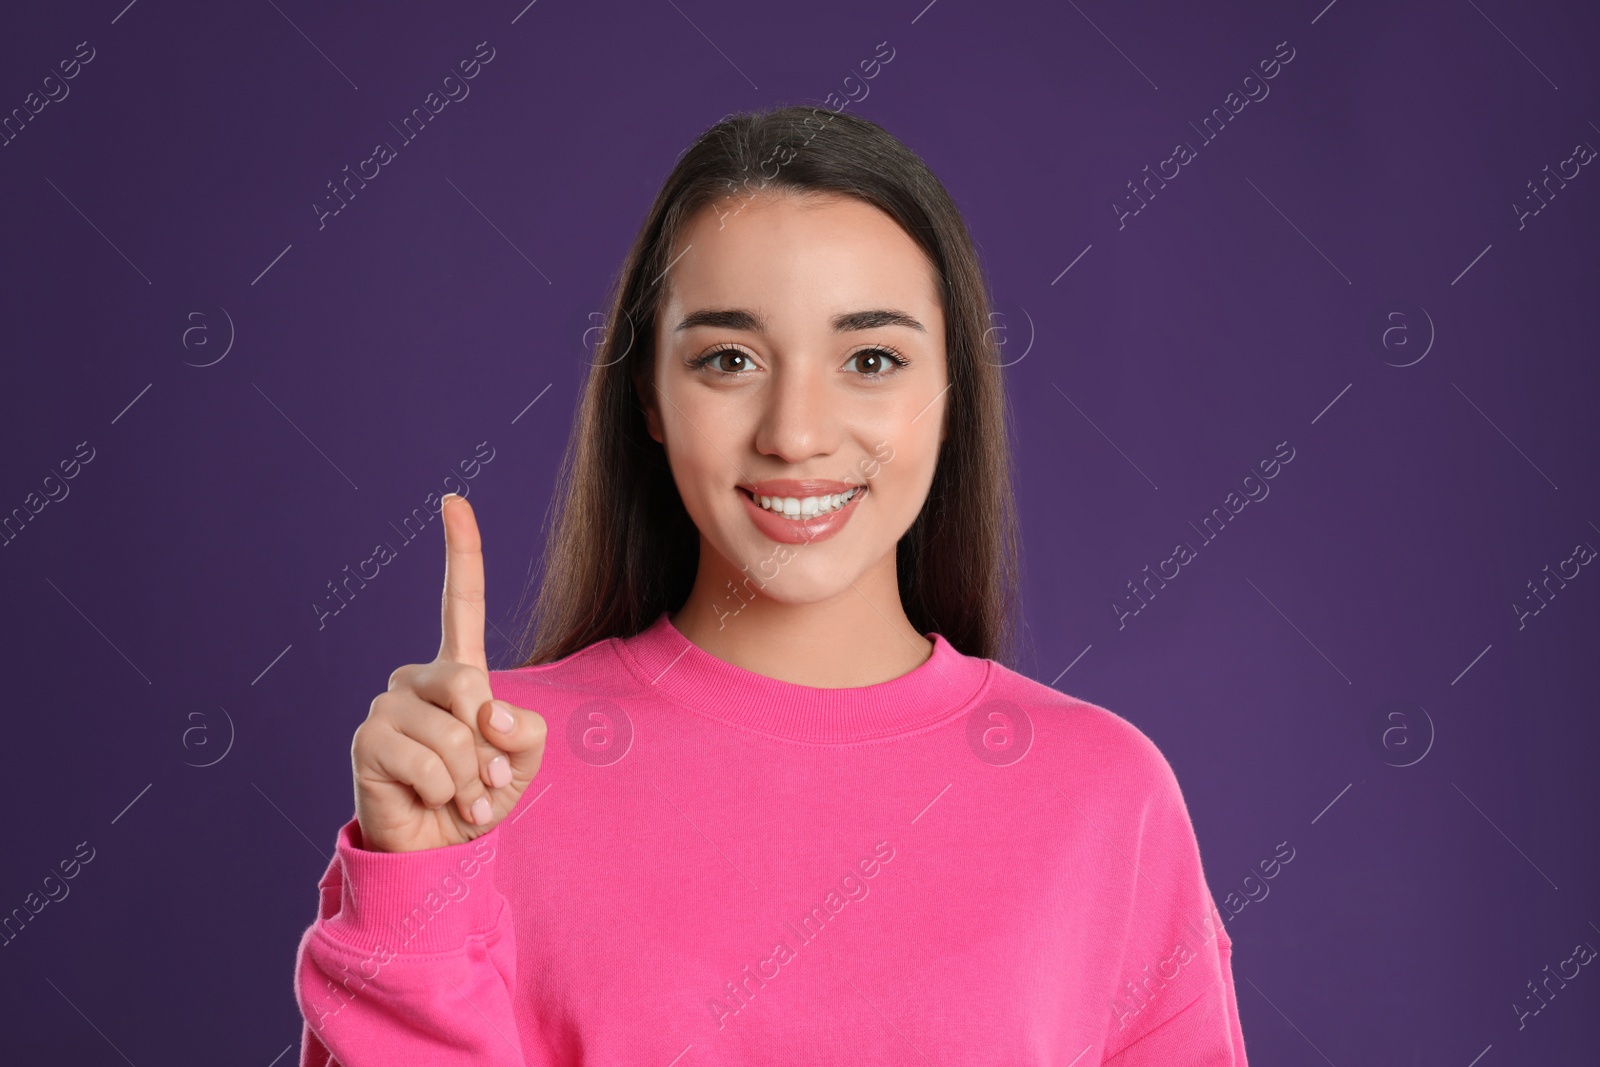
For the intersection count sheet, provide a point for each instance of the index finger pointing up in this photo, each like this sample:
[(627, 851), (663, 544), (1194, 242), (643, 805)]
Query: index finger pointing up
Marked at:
[(462, 610)]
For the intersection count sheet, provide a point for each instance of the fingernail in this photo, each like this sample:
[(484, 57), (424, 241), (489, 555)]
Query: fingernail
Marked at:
[(448, 497), (500, 718), (481, 811), (499, 771)]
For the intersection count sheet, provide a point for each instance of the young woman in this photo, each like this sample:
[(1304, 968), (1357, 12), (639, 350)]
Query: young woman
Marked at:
[(764, 790)]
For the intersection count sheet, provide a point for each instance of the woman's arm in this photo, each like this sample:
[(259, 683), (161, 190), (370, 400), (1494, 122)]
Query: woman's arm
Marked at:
[(1203, 1033), (411, 960), (413, 957), (1174, 1003)]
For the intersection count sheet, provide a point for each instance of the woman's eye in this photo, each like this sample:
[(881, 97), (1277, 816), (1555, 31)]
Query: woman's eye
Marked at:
[(871, 362), (717, 355), (877, 362)]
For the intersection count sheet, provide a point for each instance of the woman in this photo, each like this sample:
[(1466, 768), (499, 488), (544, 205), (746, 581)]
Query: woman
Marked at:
[(793, 808)]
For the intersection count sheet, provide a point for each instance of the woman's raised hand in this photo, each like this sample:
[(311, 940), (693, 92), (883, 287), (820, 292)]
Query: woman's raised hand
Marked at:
[(438, 761)]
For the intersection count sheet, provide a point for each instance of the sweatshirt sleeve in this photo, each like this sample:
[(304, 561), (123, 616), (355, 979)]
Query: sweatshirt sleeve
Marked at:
[(412, 959), (1174, 1005)]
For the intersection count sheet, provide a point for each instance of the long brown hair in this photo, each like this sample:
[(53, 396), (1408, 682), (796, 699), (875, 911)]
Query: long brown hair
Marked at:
[(621, 549)]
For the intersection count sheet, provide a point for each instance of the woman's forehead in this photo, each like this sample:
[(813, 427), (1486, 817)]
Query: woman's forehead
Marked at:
[(797, 265)]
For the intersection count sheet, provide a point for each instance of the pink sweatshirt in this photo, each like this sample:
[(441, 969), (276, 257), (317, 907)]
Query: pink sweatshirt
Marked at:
[(956, 866)]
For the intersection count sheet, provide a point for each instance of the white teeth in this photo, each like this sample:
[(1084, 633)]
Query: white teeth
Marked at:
[(805, 507)]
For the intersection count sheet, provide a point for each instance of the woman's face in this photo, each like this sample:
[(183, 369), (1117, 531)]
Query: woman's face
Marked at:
[(779, 351)]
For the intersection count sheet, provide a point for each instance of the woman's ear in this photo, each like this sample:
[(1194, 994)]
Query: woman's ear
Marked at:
[(644, 389)]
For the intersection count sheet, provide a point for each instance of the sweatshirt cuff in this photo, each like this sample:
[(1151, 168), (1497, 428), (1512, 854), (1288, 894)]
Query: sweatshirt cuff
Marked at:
[(406, 903)]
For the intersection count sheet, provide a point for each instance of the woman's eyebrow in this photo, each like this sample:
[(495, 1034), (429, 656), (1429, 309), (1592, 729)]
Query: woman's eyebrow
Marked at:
[(869, 320), (750, 321), (723, 319)]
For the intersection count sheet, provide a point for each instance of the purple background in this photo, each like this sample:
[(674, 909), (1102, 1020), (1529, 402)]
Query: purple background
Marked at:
[(1239, 309)]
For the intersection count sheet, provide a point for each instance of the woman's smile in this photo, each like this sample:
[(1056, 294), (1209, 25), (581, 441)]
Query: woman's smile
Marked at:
[(780, 511)]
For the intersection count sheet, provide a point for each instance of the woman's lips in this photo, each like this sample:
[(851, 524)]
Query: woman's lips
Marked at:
[(800, 531)]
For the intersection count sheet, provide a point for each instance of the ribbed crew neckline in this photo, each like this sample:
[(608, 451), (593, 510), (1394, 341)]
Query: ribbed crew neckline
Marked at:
[(929, 694)]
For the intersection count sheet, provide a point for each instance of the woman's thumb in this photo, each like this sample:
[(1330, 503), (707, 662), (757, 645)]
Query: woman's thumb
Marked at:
[(517, 732)]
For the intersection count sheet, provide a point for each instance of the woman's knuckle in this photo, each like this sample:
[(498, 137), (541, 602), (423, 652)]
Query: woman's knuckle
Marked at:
[(427, 791), (460, 740), (428, 770), (458, 684)]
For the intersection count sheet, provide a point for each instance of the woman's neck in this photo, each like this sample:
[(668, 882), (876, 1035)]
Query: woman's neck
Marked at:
[(859, 637)]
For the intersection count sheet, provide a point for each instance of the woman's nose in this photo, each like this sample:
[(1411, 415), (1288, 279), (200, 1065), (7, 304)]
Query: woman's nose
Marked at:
[(799, 418)]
